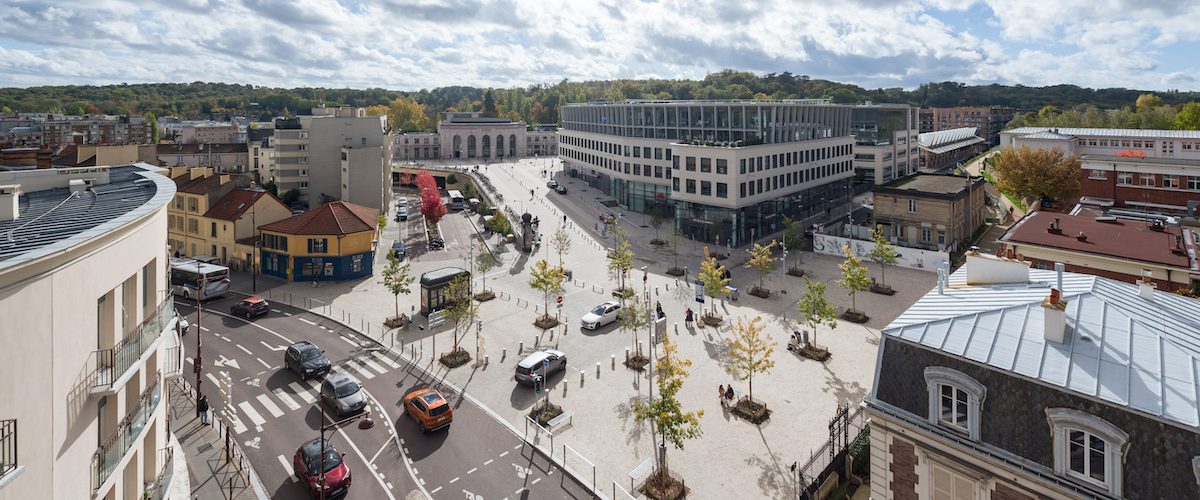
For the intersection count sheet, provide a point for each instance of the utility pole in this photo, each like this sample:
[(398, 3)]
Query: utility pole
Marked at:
[(199, 357), (254, 254)]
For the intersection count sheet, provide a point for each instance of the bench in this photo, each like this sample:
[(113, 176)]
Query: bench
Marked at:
[(557, 421), (640, 473)]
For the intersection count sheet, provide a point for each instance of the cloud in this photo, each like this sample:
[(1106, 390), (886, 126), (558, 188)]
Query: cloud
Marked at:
[(412, 44)]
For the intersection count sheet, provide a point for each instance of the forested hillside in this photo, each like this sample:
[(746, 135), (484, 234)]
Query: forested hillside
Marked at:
[(539, 103)]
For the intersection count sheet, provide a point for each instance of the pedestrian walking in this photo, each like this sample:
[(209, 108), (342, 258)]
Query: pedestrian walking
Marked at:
[(721, 394), (729, 392), (203, 405)]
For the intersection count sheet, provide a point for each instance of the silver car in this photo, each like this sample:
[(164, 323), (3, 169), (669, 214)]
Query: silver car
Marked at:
[(538, 364), (343, 394), (601, 315)]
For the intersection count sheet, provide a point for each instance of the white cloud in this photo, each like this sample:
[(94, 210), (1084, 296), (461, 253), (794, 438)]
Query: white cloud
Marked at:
[(411, 44)]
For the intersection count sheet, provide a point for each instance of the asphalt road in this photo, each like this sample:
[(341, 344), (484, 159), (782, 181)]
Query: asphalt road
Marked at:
[(477, 456)]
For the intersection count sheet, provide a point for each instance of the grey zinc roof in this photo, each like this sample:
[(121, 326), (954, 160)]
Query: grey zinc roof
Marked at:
[(52, 220), (1048, 135), (1111, 132), (1121, 349)]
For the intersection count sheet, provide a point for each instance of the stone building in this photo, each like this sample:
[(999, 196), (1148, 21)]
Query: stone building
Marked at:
[(931, 211)]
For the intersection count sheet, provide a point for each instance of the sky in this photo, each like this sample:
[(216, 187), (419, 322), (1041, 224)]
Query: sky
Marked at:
[(415, 44)]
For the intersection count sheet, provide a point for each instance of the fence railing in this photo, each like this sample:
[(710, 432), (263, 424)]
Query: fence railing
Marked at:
[(246, 475), (8, 446), (844, 429), (113, 448), (112, 363), (165, 474)]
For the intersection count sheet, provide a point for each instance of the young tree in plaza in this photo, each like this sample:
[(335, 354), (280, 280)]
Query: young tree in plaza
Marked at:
[(884, 254), (750, 351), (562, 244), (484, 262), (854, 279), (676, 237), (664, 411), (397, 278), (546, 279), (381, 222), (432, 206), (460, 307), (762, 261), (635, 316), (712, 276), (656, 222), (793, 242), (620, 261), (814, 309)]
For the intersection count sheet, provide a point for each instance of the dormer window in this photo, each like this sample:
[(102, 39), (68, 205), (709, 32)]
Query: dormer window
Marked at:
[(1087, 448), (954, 400)]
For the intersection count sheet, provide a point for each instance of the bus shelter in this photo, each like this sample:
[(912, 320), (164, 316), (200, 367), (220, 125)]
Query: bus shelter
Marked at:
[(434, 285)]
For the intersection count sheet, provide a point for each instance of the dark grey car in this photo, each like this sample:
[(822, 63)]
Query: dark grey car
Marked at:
[(306, 359), (342, 393)]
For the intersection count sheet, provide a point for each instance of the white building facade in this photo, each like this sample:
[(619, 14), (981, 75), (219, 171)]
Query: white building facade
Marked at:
[(310, 151), (885, 142), (471, 137), (1141, 143), (87, 320)]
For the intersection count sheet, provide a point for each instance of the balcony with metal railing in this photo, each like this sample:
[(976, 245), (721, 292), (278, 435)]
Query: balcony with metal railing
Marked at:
[(116, 364), (10, 468), (157, 490), (114, 448)]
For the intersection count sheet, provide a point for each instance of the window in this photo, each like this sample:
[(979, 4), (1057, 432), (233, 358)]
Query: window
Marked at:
[(722, 190), (1170, 181), (1096, 173), (657, 153), (658, 171), (706, 165), (645, 152), (705, 188), (912, 205), (675, 162), (213, 230), (742, 190), (949, 484), (1146, 179), (637, 152), (742, 166), (637, 169), (675, 184), (926, 234), (1194, 183), (691, 164), (691, 186), (318, 245), (954, 399), (1087, 448), (722, 166), (1124, 178)]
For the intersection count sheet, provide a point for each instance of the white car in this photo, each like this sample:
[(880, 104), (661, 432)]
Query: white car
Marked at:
[(601, 315)]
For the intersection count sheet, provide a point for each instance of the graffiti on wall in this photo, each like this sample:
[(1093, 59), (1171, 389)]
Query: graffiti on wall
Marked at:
[(912, 258)]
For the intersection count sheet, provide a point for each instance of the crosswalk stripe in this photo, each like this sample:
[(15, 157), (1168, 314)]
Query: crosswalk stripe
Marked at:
[(287, 467), (213, 378), (303, 393), (269, 405), (359, 369), (238, 426), (249, 411), (373, 365), (348, 341), (282, 395), (309, 384), (384, 359)]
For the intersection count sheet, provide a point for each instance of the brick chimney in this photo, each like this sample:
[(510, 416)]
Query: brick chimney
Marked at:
[(1054, 309)]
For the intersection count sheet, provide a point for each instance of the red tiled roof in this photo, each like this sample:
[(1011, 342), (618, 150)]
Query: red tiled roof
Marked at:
[(231, 206), (335, 218), (185, 184), (1127, 239)]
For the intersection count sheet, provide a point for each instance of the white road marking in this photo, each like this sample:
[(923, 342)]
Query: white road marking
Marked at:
[(307, 321), (348, 341), (373, 365), (282, 395), (389, 486), (359, 369), (473, 469), (302, 392), (535, 481), (205, 328), (455, 480), (213, 378), (238, 426), (381, 448), (287, 466), (247, 351), (502, 454), (273, 349), (249, 411), (435, 490), (270, 405), (490, 460), (189, 360), (348, 441), (276, 311), (383, 358), (227, 339), (264, 363)]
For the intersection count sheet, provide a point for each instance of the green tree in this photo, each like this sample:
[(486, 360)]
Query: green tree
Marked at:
[(1148, 101), (793, 238), (489, 103), (854, 277), (635, 317), (460, 307), (762, 261), (814, 309), (1032, 173), (381, 222), (884, 253), (291, 196), (498, 223), (656, 222), (620, 261), (664, 411), (750, 351), (712, 276), (397, 278), (152, 119), (676, 237), (405, 115), (546, 279), (1189, 117), (562, 244)]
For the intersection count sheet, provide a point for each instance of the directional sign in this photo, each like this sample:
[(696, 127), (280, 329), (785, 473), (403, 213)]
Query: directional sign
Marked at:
[(223, 361)]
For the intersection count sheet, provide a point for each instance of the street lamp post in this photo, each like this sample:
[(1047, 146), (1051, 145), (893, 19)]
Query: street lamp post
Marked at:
[(199, 358), (365, 424)]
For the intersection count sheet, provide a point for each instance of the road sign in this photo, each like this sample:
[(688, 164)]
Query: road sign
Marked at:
[(560, 300), (699, 291)]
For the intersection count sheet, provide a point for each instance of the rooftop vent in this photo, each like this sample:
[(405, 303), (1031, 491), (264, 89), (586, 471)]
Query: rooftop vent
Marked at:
[(1081, 236), (1157, 225), (10, 195), (1054, 310), (1055, 227), (1107, 219)]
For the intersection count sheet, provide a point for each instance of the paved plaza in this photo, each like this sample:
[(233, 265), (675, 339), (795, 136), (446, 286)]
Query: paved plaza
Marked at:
[(733, 455)]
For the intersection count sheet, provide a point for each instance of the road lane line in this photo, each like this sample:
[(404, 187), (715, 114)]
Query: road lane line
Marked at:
[(381, 448), (455, 480), (247, 351), (307, 321), (250, 412), (264, 363), (282, 395), (238, 426), (189, 360), (204, 328), (383, 358), (374, 474), (359, 369), (303, 393), (435, 490), (347, 340), (374, 366), (535, 481), (251, 323), (412, 472), (287, 466), (276, 311), (269, 405), (214, 379), (473, 469), (490, 460), (502, 454)]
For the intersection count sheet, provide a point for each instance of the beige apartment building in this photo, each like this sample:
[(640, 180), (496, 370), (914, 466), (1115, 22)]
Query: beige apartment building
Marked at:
[(89, 329), (334, 153), (930, 211)]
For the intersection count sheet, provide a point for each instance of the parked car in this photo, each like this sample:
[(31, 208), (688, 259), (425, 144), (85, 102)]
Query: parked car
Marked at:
[(343, 394), (552, 184), (306, 359), (429, 409), (307, 464), (250, 307), (402, 202), (561, 190), (601, 315), (402, 213), (399, 250), (541, 363), (437, 242), (183, 323)]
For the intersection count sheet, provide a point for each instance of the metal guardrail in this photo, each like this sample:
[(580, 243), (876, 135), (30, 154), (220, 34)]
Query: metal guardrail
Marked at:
[(8, 446), (233, 454), (111, 363), (113, 448), (166, 474)]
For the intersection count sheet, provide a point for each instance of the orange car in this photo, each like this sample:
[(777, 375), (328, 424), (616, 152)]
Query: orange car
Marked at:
[(429, 409)]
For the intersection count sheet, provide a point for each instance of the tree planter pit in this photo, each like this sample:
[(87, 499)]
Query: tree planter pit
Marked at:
[(710, 319), (815, 353), (761, 293), (395, 321), (637, 362), (485, 296), (753, 411), (795, 271), (622, 293), (661, 486), (675, 271), (545, 322), (657, 242), (456, 358), (882, 290), (855, 317), (544, 412)]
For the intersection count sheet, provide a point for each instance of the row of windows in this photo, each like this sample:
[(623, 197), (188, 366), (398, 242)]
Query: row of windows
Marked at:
[(1149, 180), (617, 149), (766, 184), (275, 242), (1114, 143), (658, 171)]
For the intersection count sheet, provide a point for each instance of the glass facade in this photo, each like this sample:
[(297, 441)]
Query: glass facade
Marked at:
[(710, 224), (766, 121)]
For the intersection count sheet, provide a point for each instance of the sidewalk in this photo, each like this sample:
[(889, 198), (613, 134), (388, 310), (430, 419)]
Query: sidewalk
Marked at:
[(212, 477)]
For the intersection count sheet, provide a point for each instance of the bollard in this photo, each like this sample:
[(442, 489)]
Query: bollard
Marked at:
[(581, 372), (639, 347), (613, 359), (536, 342), (485, 360), (626, 354), (551, 334), (677, 328), (598, 369), (521, 347), (503, 353)]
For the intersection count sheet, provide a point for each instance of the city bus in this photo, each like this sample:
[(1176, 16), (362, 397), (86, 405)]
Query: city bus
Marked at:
[(456, 199), (198, 280)]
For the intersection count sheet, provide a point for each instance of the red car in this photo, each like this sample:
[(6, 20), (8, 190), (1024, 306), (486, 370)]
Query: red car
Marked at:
[(307, 464)]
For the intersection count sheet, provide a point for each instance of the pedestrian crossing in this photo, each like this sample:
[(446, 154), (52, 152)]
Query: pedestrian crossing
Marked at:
[(253, 412)]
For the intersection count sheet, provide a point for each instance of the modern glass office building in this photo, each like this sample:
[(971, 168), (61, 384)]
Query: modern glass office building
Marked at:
[(727, 171)]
